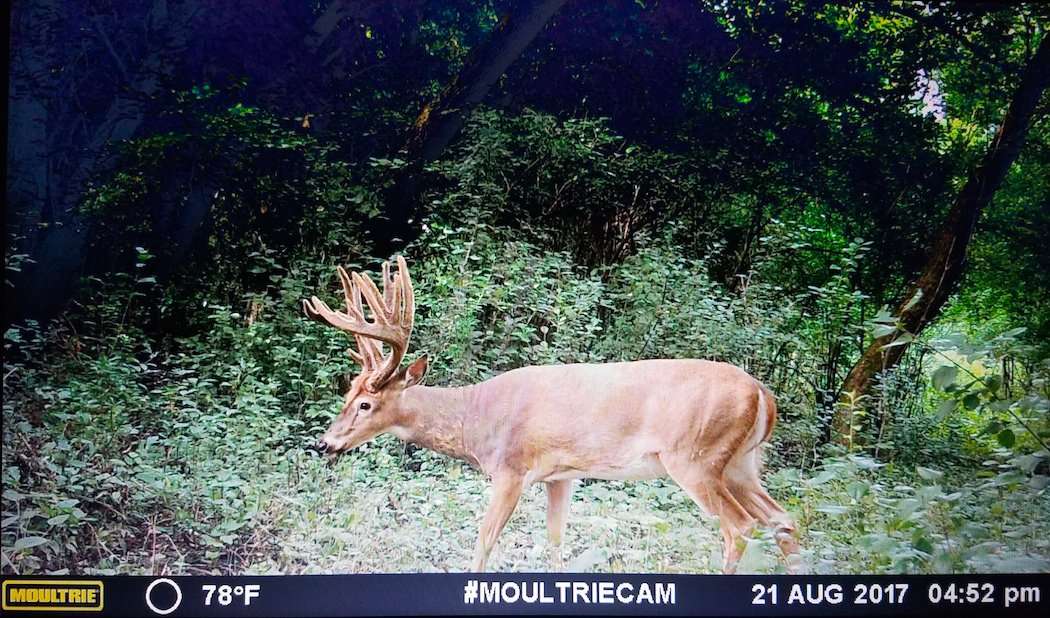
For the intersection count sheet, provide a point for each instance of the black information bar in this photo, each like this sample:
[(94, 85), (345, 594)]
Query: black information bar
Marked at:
[(529, 593)]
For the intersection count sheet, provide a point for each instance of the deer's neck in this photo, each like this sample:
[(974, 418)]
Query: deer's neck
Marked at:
[(433, 418)]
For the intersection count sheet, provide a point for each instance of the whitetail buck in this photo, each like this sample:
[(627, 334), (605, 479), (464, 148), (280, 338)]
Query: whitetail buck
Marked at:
[(699, 422)]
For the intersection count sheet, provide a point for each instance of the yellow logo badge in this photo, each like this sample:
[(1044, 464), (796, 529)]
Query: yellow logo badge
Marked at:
[(53, 595)]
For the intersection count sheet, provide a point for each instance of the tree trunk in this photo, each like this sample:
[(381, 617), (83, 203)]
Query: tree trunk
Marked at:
[(44, 289), (27, 121), (946, 261), (441, 119)]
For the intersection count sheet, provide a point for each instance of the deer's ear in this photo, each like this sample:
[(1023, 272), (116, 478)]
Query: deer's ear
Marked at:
[(415, 372)]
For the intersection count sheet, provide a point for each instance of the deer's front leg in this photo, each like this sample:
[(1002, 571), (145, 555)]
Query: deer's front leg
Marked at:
[(506, 489), (559, 494)]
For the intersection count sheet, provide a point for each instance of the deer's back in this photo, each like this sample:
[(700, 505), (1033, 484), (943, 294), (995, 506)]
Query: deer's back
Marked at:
[(555, 419)]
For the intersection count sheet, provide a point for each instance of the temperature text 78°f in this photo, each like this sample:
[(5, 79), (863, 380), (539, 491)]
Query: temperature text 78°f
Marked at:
[(225, 594)]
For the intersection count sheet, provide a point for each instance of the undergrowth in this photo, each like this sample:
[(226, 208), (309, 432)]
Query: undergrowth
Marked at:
[(159, 425), (125, 452)]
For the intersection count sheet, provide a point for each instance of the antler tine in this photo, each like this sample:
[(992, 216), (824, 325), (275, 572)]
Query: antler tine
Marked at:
[(394, 305), (394, 293), (392, 313), (349, 294), (380, 312), (408, 298), (392, 316), (308, 310), (357, 356), (368, 356), (389, 283), (319, 310)]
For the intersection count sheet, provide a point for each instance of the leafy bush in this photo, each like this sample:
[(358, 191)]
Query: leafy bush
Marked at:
[(133, 446), (229, 190), (865, 516), (569, 185)]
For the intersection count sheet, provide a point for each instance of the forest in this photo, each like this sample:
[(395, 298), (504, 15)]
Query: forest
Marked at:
[(849, 200)]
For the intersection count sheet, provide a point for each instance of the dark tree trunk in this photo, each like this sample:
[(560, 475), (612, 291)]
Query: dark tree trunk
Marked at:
[(27, 121), (43, 289), (60, 254), (441, 119), (945, 263)]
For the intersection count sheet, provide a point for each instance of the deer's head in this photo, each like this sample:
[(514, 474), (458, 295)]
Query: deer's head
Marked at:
[(372, 404)]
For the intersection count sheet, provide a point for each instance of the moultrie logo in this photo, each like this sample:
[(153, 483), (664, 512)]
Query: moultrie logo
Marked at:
[(52, 595)]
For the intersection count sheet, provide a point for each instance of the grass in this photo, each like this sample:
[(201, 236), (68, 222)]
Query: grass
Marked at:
[(345, 518), (372, 512), (117, 461)]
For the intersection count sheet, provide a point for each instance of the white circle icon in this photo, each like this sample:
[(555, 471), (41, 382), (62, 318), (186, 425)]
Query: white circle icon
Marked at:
[(149, 593)]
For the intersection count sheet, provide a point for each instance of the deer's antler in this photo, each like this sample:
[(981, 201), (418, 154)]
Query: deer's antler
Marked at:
[(393, 313)]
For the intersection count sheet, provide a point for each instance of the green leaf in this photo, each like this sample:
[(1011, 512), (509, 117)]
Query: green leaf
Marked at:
[(914, 300), (971, 401), (1006, 438), (878, 543), (858, 489), (923, 544), (884, 330), (944, 376), (586, 561), (903, 339), (1027, 463), (29, 541), (947, 407), (883, 316), (1012, 333), (993, 427), (929, 474), (833, 509), (823, 477), (756, 558), (906, 507)]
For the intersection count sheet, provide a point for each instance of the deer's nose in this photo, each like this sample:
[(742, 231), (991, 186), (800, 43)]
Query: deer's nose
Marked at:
[(321, 446)]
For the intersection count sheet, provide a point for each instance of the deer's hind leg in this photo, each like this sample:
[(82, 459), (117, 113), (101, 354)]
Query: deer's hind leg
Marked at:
[(742, 479), (703, 479)]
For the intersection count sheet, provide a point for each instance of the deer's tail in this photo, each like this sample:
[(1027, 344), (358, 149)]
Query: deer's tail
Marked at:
[(767, 413)]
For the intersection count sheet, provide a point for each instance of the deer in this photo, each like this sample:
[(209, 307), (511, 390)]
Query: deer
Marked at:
[(702, 423)]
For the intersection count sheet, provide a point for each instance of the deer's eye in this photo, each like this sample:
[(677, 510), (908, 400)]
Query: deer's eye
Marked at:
[(365, 405)]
